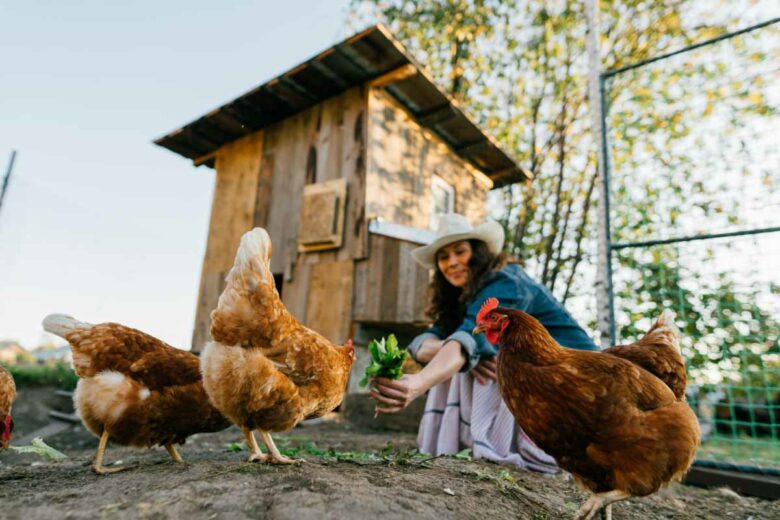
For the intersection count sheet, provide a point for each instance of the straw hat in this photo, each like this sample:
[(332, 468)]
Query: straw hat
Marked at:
[(454, 227)]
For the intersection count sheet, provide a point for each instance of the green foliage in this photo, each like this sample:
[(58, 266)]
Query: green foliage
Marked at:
[(726, 336), (388, 455), (386, 360), (464, 454), (59, 374), (523, 67), (503, 479)]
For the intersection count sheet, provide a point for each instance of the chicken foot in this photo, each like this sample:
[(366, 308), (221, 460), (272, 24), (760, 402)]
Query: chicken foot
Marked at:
[(97, 464), (174, 453), (255, 454), (273, 452), (598, 500)]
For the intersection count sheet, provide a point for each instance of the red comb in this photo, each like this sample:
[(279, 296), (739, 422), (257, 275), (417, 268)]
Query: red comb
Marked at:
[(489, 305), (349, 342)]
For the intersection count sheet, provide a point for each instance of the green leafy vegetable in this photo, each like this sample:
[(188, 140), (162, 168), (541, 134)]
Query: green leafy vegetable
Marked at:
[(386, 360), (464, 454), (41, 448)]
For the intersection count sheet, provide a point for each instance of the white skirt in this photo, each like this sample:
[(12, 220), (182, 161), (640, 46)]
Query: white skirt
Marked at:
[(461, 413)]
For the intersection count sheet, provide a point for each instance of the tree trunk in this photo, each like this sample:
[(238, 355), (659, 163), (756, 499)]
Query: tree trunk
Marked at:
[(602, 285)]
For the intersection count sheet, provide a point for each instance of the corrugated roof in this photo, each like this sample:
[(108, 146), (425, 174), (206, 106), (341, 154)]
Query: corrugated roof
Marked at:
[(361, 58)]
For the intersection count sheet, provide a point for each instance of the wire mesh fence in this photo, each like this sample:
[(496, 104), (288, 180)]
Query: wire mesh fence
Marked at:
[(726, 296), (694, 184)]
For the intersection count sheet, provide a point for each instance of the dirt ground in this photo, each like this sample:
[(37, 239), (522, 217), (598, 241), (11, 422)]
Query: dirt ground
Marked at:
[(360, 478)]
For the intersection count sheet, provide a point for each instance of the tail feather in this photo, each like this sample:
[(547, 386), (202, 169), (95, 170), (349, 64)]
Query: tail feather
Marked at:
[(665, 325), (249, 299), (62, 324), (658, 352), (252, 263)]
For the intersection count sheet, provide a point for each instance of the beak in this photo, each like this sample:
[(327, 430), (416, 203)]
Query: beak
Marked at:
[(478, 330)]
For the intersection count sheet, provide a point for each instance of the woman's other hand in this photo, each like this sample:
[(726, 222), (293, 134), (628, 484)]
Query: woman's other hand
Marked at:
[(485, 370), (394, 396)]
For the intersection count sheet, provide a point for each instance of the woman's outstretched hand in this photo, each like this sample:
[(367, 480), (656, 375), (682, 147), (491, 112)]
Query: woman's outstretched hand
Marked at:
[(485, 370), (394, 396)]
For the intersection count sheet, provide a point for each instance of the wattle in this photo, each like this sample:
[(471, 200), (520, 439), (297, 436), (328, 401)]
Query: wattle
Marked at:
[(492, 336)]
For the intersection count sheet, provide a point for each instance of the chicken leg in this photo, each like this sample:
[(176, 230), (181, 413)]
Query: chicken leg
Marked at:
[(255, 454), (273, 452), (97, 464), (598, 500), (173, 452)]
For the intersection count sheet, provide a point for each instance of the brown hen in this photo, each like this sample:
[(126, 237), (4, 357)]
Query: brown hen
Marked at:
[(617, 428), (264, 370), (134, 388), (7, 396)]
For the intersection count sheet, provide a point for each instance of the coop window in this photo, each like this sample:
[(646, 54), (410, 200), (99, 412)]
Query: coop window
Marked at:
[(443, 195)]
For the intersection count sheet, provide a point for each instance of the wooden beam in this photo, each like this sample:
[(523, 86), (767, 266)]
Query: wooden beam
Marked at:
[(199, 161), (395, 75), (510, 173), (764, 486), (435, 116), (472, 148)]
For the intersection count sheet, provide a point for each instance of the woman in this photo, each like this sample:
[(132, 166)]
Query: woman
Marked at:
[(469, 269)]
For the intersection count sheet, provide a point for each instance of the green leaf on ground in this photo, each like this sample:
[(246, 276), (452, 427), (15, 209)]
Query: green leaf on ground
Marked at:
[(41, 448)]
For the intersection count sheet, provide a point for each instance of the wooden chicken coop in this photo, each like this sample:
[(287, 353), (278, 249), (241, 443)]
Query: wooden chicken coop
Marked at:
[(347, 160)]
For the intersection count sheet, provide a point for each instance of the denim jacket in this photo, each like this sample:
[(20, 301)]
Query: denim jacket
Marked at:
[(513, 288)]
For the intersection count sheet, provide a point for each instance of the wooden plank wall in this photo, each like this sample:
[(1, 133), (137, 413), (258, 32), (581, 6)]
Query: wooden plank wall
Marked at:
[(260, 183), (233, 209), (389, 286), (403, 157), (387, 159), (329, 302), (336, 131)]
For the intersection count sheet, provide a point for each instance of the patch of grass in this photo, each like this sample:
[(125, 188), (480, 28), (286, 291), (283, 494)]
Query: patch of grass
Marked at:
[(741, 449), (504, 481), (388, 455), (58, 374)]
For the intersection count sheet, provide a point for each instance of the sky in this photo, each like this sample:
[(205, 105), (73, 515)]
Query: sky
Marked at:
[(98, 222)]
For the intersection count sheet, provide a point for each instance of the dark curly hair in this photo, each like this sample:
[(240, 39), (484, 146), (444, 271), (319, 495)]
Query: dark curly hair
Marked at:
[(447, 307)]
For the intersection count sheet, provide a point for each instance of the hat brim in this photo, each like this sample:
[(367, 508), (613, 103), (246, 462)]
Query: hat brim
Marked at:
[(490, 232)]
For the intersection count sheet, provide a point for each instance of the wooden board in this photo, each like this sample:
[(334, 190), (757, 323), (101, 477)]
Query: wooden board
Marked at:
[(389, 286), (233, 212), (751, 484), (322, 215), (233, 204), (296, 289), (335, 130), (329, 305)]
